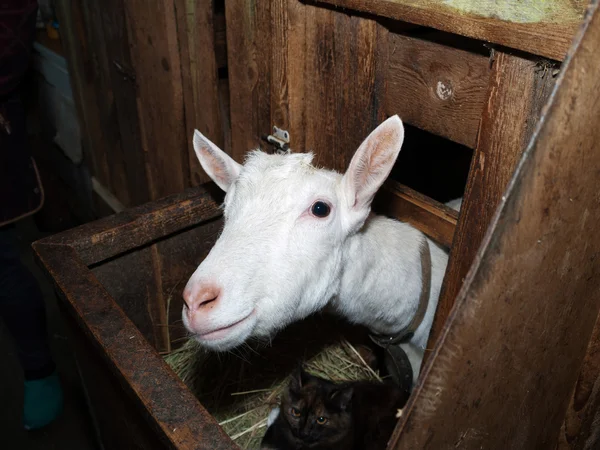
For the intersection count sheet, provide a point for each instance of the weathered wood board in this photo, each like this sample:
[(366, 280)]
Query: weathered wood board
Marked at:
[(540, 27), (518, 89), (503, 372)]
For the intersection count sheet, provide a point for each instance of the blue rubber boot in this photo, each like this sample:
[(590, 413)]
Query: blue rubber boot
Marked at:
[(43, 402)]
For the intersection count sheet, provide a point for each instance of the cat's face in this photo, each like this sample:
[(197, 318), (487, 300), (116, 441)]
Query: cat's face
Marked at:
[(317, 410)]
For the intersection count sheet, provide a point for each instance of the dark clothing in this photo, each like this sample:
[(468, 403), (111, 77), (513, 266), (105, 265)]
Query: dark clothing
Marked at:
[(21, 301), (22, 309), (21, 191), (17, 33)]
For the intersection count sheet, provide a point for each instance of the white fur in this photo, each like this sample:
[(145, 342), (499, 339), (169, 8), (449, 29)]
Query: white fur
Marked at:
[(275, 263), (272, 416)]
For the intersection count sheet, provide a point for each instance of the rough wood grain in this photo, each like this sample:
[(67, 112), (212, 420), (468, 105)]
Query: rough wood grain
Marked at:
[(580, 429), (437, 88), (433, 218), (288, 68), (152, 30), (151, 295), (344, 83), (516, 94), (134, 227), (76, 43), (548, 35), (502, 374), (196, 32), (249, 65), (163, 401), (132, 161)]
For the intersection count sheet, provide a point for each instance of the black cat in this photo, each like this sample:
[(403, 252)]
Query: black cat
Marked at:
[(318, 414)]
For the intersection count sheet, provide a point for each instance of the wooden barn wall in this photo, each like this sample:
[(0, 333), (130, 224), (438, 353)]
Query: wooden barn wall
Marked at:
[(144, 75)]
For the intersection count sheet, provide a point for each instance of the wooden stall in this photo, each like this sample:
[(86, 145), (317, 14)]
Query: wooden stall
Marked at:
[(514, 347)]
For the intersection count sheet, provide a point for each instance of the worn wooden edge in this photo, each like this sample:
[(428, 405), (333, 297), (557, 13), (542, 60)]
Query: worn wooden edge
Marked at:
[(102, 239), (487, 244), (550, 40), (429, 216), (169, 404)]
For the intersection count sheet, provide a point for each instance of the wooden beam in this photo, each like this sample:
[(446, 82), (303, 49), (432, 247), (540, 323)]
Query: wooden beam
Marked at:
[(503, 372), (156, 62), (437, 88), (196, 32), (95, 242), (288, 69), (249, 71), (130, 161), (177, 417), (517, 90), (339, 115), (433, 218), (580, 428), (541, 30), (76, 44)]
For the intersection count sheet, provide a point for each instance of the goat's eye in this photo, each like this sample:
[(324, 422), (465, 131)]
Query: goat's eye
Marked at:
[(321, 420), (294, 412), (320, 209)]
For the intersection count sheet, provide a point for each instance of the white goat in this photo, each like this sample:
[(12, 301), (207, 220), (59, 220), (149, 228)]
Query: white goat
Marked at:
[(297, 238)]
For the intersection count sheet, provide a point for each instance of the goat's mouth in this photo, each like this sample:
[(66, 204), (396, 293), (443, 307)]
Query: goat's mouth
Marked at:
[(223, 332)]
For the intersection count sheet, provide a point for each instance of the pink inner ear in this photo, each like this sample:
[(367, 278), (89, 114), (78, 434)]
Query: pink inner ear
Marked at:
[(376, 157), (216, 164)]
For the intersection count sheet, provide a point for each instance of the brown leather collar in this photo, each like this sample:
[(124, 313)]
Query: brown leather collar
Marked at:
[(407, 332)]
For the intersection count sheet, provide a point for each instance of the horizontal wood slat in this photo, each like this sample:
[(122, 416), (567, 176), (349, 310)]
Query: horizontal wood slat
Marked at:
[(97, 241), (437, 88), (433, 218), (544, 31)]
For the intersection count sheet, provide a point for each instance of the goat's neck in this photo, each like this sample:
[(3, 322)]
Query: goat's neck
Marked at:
[(381, 275)]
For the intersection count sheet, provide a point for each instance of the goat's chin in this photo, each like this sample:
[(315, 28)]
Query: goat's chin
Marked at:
[(228, 338)]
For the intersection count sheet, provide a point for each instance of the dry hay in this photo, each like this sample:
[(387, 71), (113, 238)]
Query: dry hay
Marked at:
[(240, 390)]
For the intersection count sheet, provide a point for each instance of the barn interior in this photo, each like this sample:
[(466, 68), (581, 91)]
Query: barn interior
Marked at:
[(113, 93)]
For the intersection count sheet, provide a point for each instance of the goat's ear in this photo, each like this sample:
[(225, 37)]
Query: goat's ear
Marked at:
[(219, 166), (372, 163)]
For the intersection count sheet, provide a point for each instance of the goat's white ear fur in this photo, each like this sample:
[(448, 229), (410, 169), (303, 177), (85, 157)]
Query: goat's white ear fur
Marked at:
[(219, 166), (372, 163)]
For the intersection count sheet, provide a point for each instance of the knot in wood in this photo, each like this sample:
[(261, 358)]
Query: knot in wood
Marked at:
[(443, 90)]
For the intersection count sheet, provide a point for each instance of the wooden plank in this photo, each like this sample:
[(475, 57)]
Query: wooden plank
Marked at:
[(167, 406), (580, 428), (220, 40), (437, 88), (503, 372), (249, 65), (340, 114), (288, 68), (152, 30), (131, 157), (435, 219), (196, 30), (151, 295), (108, 237), (518, 88), (76, 44), (541, 28), (105, 102)]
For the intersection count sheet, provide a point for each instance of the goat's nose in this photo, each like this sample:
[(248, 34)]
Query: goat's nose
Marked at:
[(200, 297)]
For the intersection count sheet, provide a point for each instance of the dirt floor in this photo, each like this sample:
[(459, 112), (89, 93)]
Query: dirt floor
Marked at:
[(73, 430)]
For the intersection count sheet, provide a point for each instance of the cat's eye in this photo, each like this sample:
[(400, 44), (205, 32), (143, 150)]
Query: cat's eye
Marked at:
[(295, 412), (321, 420), (320, 209)]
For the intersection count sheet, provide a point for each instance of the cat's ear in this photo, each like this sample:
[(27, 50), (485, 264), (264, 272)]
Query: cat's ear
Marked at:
[(342, 397), (297, 379)]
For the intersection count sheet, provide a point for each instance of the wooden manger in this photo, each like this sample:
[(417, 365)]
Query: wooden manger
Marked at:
[(514, 348)]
